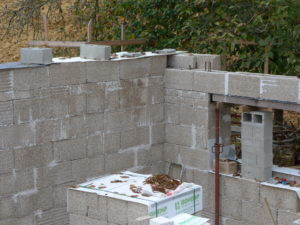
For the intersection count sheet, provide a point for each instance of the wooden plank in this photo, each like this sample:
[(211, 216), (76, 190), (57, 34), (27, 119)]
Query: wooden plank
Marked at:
[(67, 44), (256, 102), (76, 44), (120, 42)]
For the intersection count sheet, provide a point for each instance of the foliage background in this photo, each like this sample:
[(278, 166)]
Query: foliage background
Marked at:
[(237, 29)]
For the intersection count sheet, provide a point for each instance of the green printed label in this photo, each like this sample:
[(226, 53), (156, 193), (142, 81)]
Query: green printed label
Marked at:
[(185, 202), (159, 211)]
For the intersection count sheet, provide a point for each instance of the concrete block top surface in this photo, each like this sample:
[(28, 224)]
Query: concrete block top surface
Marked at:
[(161, 221)]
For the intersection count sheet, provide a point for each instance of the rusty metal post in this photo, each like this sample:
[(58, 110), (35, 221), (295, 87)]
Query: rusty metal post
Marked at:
[(122, 35), (217, 157)]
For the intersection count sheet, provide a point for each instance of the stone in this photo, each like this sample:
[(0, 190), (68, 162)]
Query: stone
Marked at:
[(96, 52), (182, 61), (179, 79), (36, 56)]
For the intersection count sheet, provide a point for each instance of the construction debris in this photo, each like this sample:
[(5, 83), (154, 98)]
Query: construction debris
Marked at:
[(162, 183)]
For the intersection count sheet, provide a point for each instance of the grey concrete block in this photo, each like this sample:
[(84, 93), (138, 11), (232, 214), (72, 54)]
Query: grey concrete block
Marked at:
[(77, 105), (215, 61), (7, 208), (36, 55), (31, 157), (117, 211), (96, 166), (97, 52), (155, 113), (112, 142), (31, 78), (171, 113), (135, 68), (6, 113), (287, 217), (55, 216), (118, 161), (244, 85), (67, 73), (158, 65), (181, 135), (155, 94), (95, 123), (193, 158), (17, 136), (143, 135), (279, 88), (95, 98), (95, 145), (113, 120), (209, 82), (182, 61), (69, 150), (179, 79), (235, 209), (103, 71), (54, 174), (6, 161), (135, 211), (84, 220), (157, 133), (128, 138), (27, 220), (280, 198)]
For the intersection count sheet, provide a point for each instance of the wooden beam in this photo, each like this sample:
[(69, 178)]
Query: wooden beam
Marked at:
[(120, 42), (67, 44), (257, 103), (76, 44)]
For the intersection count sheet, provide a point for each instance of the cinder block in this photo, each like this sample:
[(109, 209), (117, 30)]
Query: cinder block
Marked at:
[(17, 136), (158, 65), (69, 150), (231, 208), (135, 211), (83, 220), (80, 168), (114, 120), (156, 113), (95, 145), (95, 123), (171, 114), (182, 61), (157, 133), (155, 94), (31, 78), (55, 216), (135, 68), (97, 52), (209, 82), (96, 166), (67, 74), (143, 135), (112, 142), (244, 85), (36, 55), (6, 161), (280, 198), (117, 211), (31, 157), (128, 138), (171, 153), (95, 97), (279, 88), (215, 61), (194, 158), (181, 135), (118, 161), (179, 79), (6, 113), (7, 208), (77, 105), (103, 71), (287, 217)]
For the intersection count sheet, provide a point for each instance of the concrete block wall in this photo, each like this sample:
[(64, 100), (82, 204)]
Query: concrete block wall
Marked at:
[(64, 123)]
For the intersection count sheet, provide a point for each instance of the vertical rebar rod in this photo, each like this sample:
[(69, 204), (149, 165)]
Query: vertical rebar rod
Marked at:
[(217, 156)]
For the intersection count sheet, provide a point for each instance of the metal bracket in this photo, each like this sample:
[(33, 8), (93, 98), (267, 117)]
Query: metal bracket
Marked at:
[(220, 148)]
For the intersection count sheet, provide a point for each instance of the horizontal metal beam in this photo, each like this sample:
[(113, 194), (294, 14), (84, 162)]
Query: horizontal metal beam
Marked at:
[(256, 102), (76, 44)]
